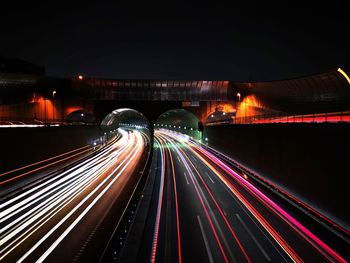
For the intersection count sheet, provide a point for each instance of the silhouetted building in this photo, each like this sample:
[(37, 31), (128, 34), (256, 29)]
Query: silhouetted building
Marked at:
[(18, 66)]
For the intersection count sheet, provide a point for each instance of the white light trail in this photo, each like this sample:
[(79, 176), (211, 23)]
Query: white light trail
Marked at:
[(35, 208)]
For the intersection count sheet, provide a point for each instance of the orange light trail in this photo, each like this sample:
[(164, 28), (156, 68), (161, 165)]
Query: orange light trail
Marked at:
[(42, 161), (176, 209), (218, 207), (273, 233)]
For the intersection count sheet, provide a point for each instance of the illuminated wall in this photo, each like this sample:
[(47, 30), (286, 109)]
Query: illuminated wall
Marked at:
[(250, 106), (39, 109), (42, 109)]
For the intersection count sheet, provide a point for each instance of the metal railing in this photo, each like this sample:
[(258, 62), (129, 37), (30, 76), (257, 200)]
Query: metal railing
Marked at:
[(40, 122), (331, 117)]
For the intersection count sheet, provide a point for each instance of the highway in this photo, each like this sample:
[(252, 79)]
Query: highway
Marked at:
[(202, 210), (70, 216)]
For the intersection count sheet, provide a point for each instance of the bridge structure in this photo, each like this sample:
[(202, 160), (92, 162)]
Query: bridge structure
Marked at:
[(28, 97)]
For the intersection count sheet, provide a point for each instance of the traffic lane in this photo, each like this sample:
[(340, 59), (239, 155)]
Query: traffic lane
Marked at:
[(75, 243), (57, 218), (199, 209), (19, 173), (227, 245), (198, 239), (193, 223), (90, 236), (247, 228), (298, 242), (166, 240), (27, 186), (168, 246), (144, 253), (255, 240), (21, 176), (309, 251)]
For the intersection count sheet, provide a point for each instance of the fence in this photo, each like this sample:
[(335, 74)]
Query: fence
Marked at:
[(332, 117)]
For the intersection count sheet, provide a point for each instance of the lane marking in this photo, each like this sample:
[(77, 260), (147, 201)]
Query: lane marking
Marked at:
[(253, 238), (253, 220), (176, 209), (206, 173), (220, 210), (222, 235), (210, 256), (186, 178)]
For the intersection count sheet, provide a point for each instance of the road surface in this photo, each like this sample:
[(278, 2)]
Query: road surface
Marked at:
[(204, 211), (69, 216)]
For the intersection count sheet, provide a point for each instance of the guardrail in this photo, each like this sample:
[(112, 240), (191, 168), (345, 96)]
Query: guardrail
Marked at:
[(331, 117), (8, 122)]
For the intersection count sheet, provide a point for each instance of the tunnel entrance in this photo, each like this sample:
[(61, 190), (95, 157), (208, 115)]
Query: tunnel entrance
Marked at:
[(127, 119), (179, 120)]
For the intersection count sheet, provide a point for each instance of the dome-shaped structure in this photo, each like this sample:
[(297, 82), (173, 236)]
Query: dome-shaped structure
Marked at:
[(125, 117), (179, 120)]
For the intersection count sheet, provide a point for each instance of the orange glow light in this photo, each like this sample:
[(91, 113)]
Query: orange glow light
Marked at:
[(80, 77)]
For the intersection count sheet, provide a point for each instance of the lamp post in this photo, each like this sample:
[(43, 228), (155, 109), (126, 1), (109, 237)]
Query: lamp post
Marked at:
[(45, 121), (238, 95), (53, 104)]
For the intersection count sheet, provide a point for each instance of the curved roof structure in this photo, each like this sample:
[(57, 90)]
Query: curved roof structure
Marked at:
[(178, 117), (151, 90), (124, 117), (324, 92)]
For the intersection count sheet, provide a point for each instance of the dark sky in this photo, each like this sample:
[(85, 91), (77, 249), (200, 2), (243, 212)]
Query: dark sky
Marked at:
[(236, 40)]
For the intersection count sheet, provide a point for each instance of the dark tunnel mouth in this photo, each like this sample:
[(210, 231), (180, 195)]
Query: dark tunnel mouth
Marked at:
[(127, 118), (80, 116)]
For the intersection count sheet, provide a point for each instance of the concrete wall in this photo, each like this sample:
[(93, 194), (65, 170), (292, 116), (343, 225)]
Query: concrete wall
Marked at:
[(21, 146), (43, 109), (311, 161)]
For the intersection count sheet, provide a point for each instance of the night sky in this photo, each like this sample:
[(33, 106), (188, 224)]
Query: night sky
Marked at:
[(235, 40)]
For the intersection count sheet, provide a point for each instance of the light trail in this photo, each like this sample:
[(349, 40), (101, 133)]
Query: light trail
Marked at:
[(176, 208), (273, 233), (288, 195), (59, 202), (46, 160), (217, 206), (204, 208), (159, 208), (21, 125), (128, 160), (30, 211), (296, 225), (306, 234), (60, 178)]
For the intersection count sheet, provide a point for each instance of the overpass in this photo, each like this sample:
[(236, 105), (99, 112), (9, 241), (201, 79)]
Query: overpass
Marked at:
[(25, 97)]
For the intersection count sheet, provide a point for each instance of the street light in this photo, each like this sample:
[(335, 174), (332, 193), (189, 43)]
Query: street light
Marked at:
[(239, 96), (53, 102)]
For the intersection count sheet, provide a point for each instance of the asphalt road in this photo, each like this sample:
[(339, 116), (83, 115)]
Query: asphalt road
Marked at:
[(204, 211), (70, 216)]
